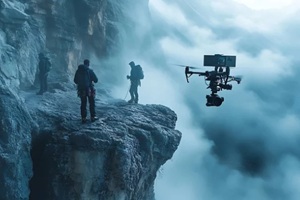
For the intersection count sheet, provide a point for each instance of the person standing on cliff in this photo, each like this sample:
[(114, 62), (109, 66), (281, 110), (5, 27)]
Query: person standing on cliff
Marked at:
[(44, 67), (85, 79), (136, 74)]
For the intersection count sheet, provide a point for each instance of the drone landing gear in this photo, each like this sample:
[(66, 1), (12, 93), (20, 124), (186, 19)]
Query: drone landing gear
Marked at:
[(214, 100)]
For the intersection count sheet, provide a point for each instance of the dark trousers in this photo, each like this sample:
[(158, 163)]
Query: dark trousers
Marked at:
[(91, 100), (43, 83), (134, 91)]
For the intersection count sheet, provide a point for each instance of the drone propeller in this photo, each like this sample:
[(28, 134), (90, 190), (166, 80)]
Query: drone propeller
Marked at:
[(238, 78), (191, 67)]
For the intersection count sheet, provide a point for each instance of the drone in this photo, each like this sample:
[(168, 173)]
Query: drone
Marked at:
[(217, 79)]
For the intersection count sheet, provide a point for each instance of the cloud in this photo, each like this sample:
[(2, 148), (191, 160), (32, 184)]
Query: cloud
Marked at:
[(266, 4), (246, 148)]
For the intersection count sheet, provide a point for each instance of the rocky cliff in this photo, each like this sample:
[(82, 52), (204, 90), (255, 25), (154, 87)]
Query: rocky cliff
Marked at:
[(45, 152)]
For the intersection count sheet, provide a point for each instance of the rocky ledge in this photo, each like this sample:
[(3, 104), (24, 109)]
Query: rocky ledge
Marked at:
[(114, 158)]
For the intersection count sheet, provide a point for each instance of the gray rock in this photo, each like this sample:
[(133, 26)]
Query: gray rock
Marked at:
[(45, 151), (116, 157), (15, 143), (12, 12)]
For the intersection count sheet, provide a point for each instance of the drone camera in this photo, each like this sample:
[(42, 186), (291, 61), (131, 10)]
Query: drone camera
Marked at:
[(216, 80), (214, 100), (219, 60)]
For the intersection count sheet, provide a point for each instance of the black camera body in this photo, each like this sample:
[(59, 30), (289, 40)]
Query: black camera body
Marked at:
[(219, 60), (214, 100), (226, 86)]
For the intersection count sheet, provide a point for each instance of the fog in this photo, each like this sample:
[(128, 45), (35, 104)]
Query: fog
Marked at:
[(247, 148)]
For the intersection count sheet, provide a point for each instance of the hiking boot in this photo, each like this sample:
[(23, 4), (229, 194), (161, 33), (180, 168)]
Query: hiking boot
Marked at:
[(94, 119), (136, 101), (130, 101), (83, 120)]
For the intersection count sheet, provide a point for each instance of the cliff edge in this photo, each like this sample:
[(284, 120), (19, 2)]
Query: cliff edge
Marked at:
[(45, 151), (116, 157)]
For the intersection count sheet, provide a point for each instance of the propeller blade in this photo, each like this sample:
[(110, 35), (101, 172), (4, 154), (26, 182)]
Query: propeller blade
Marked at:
[(191, 67), (238, 78)]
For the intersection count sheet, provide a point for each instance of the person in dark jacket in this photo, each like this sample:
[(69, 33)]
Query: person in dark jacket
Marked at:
[(85, 79), (136, 74), (44, 67)]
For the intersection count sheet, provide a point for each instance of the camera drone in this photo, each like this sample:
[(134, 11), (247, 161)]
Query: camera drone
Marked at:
[(217, 79)]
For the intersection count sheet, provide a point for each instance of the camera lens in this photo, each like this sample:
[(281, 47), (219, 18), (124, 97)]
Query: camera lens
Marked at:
[(214, 100), (226, 87), (218, 101)]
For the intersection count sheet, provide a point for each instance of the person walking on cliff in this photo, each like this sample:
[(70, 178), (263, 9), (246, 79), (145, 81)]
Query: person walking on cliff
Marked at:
[(44, 67), (136, 74), (85, 79)]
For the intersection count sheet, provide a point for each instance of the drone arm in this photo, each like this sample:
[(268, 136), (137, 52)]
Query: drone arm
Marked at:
[(232, 78), (188, 75), (227, 72), (200, 73)]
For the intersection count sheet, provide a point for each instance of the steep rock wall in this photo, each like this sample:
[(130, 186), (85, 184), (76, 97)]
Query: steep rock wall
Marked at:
[(67, 31), (45, 153), (16, 126)]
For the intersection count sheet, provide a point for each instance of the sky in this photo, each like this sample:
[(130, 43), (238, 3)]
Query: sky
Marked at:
[(248, 148)]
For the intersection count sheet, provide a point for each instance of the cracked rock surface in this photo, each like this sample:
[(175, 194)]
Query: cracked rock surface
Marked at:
[(115, 157)]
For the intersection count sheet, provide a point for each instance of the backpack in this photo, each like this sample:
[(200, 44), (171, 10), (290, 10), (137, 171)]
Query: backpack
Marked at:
[(139, 72), (48, 64), (44, 65), (82, 77)]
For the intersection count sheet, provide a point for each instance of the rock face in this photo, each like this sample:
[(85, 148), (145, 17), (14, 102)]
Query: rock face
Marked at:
[(15, 140), (66, 30), (45, 151), (116, 157)]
